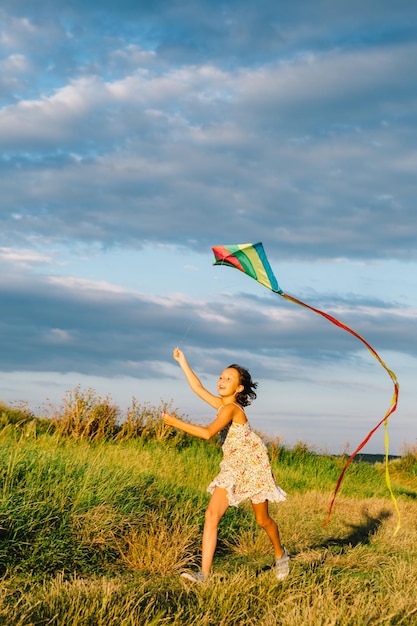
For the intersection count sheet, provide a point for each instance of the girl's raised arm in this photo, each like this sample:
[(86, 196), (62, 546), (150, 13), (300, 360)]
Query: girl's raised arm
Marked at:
[(195, 382)]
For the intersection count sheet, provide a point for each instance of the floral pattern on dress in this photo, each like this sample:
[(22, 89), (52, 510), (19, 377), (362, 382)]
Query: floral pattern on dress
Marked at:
[(245, 470)]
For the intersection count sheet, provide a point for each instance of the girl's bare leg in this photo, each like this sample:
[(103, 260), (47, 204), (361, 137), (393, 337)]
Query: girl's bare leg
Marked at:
[(216, 509), (268, 524)]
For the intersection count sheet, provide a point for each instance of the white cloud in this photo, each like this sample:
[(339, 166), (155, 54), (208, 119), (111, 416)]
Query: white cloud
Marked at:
[(25, 258), (87, 286), (14, 63)]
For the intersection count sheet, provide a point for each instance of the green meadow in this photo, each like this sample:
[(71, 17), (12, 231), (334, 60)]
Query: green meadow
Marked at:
[(100, 512)]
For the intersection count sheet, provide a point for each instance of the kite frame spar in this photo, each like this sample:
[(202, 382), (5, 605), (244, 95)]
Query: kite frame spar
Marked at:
[(250, 258)]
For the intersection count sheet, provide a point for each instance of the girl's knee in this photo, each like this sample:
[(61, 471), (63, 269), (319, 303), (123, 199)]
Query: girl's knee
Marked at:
[(263, 520), (212, 516), (266, 522)]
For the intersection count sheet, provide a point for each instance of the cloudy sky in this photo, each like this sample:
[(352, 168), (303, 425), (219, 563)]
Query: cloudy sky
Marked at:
[(136, 135)]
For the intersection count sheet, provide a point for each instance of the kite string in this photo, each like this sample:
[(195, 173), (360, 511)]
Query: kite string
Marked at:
[(191, 324), (393, 407), (209, 295)]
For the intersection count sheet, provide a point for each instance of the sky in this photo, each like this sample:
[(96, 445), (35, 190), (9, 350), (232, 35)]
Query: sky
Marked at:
[(136, 135)]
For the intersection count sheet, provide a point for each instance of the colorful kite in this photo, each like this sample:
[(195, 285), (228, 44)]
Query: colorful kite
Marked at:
[(251, 259)]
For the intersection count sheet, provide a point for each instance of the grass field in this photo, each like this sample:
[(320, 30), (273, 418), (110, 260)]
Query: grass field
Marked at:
[(96, 523)]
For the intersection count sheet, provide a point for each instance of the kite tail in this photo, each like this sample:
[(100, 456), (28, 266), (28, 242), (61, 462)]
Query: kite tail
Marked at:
[(392, 408)]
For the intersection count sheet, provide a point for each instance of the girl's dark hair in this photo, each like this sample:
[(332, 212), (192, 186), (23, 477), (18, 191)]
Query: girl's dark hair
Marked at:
[(245, 397)]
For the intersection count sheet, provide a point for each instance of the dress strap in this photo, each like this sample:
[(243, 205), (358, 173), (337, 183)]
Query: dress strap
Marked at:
[(239, 406)]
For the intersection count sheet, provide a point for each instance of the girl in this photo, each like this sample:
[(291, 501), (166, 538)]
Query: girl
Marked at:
[(245, 472)]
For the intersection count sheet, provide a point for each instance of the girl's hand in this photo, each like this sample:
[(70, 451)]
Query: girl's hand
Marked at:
[(178, 355), (168, 419)]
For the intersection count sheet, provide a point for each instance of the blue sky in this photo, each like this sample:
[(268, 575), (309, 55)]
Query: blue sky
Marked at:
[(137, 135)]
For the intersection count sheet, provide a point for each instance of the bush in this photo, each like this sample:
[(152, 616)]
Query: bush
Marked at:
[(144, 421), (17, 416), (408, 459), (84, 415)]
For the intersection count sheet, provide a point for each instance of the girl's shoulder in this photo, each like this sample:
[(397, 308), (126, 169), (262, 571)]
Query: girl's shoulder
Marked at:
[(236, 412)]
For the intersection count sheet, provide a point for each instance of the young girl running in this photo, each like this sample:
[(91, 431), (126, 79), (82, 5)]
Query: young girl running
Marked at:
[(245, 471)]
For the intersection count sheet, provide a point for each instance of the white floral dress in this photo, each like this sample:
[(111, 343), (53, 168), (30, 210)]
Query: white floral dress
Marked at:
[(245, 471)]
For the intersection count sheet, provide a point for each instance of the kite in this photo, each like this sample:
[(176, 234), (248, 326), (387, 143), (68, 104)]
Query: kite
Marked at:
[(251, 259)]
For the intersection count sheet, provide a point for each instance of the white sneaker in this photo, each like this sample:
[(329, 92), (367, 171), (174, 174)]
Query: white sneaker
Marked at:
[(196, 577), (282, 566)]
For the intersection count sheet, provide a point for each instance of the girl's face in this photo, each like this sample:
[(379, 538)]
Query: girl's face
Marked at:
[(228, 384)]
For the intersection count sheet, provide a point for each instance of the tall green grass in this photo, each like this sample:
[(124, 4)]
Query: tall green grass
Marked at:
[(96, 525)]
